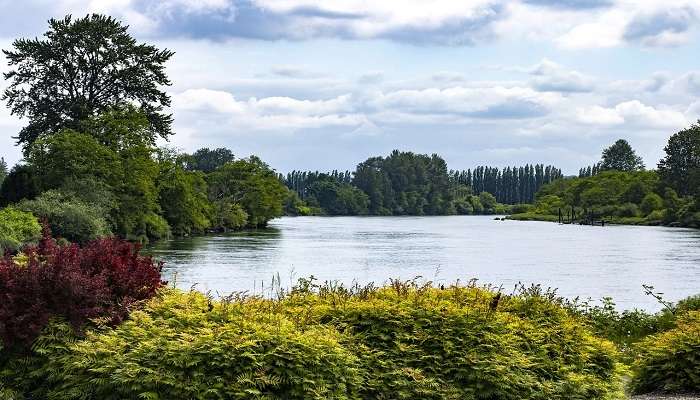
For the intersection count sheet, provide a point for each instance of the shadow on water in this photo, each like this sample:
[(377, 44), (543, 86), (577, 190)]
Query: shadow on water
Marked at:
[(193, 248)]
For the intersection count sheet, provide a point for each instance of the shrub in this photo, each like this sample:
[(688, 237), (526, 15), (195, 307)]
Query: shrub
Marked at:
[(102, 279), (184, 346), (16, 229), (651, 202), (670, 361), (627, 210), (68, 217), (521, 208), (455, 344), (691, 303), (402, 341), (656, 216)]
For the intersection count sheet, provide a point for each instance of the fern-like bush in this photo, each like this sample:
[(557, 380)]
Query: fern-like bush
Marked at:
[(331, 342), (670, 361), (102, 279), (16, 229)]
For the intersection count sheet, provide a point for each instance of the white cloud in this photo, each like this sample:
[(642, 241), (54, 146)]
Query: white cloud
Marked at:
[(634, 114), (550, 76), (266, 114), (494, 102)]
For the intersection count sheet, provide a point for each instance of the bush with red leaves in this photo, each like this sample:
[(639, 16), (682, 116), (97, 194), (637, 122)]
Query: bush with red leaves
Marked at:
[(102, 279)]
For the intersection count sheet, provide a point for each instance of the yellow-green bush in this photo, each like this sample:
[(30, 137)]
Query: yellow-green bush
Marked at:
[(16, 229), (670, 361), (397, 342)]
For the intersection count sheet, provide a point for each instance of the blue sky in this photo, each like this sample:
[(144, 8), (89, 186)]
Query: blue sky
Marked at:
[(325, 84)]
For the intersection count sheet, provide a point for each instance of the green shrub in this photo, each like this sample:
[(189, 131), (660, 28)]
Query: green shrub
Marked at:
[(418, 342), (183, 346), (670, 361), (16, 229), (331, 342), (651, 202), (656, 216), (627, 210), (68, 217)]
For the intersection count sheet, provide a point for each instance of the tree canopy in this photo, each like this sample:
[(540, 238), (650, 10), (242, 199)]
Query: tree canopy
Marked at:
[(207, 160), (680, 168), (621, 157), (80, 69)]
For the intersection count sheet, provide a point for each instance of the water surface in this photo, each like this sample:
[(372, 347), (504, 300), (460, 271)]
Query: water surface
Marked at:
[(579, 261)]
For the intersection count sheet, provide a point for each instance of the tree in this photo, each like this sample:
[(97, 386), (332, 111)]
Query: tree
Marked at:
[(250, 184), (3, 169), (80, 69), (183, 199), (680, 169), (207, 160), (72, 155), (488, 201), (21, 183), (621, 157)]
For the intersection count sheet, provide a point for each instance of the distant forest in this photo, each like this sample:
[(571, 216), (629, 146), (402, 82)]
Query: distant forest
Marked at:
[(406, 183)]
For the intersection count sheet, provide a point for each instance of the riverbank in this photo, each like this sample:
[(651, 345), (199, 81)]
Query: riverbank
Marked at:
[(611, 220)]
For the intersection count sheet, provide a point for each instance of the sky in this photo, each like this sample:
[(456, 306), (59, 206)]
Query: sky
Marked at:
[(322, 85)]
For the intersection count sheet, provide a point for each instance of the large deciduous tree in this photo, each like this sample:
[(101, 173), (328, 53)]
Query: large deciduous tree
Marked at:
[(207, 160), (80, 69), (250, 185), (680, 169), (621, 157)]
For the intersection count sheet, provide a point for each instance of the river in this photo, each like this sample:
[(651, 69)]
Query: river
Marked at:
[(584, 261)]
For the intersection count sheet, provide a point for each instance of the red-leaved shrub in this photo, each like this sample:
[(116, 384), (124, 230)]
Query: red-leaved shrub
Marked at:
[(102, 279)]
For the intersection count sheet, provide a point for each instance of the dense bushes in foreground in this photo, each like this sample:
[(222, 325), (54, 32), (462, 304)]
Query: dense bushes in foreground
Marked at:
[(397, 342), (670, 361)]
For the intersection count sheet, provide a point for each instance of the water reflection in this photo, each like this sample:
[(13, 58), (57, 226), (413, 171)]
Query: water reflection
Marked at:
[(578, 260)]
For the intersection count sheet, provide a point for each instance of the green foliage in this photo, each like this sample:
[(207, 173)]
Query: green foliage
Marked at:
[(120, 127), (250, 184), (294, 206), (183, 199), (670, 361), (651, 202), (79, 69), (680, 168), (67, 216), (405, 183), (21, 183), (621, 157), (488, 201), (618, 197), (332, 342), (339, 198), (17, 228), (70, 154), (207, 160)]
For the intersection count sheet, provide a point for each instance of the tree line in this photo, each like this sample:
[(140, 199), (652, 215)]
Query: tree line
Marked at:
[(619, 189), (406, 183), (510, 185)]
